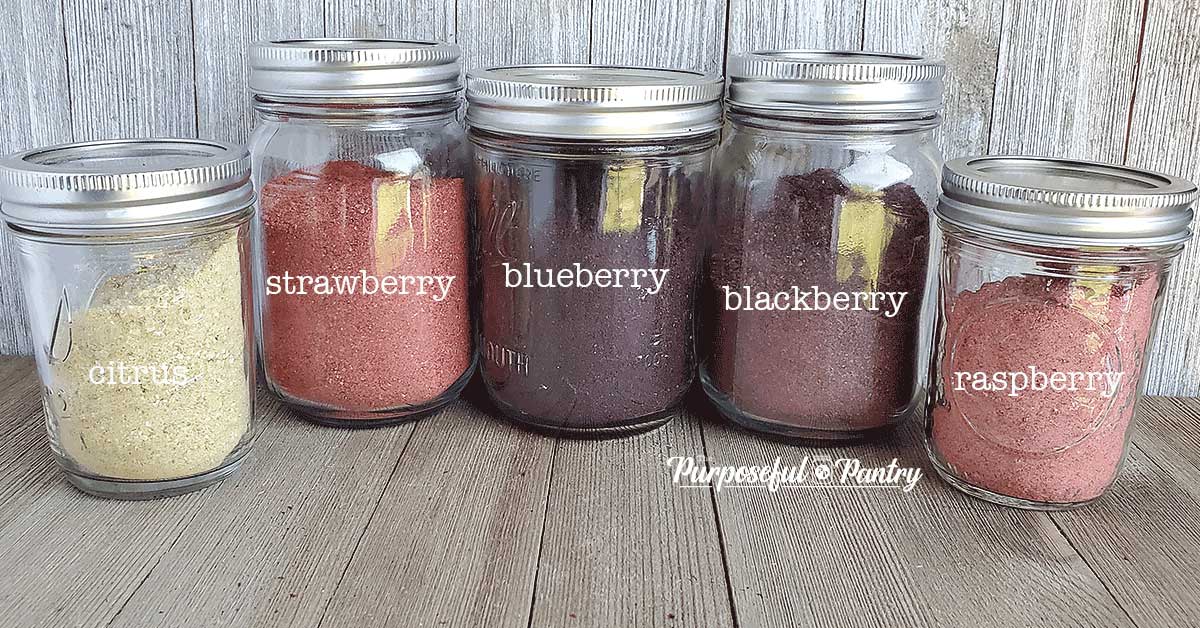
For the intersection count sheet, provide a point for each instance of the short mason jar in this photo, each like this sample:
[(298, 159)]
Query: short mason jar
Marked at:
[(815, 274), (362, 231), (1050, 282), (135, 265), (590, 183)]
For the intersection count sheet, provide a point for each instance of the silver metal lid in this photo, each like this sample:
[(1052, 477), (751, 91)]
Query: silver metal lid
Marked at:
[(1066, 203), (124, 185), (354, 69), (593, 101), (836, 84)]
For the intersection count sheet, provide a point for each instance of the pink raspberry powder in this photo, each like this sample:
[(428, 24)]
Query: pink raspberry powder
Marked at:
[(1049, 446)]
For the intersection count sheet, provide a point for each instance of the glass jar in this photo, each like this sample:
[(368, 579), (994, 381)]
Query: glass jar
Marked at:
[(362, 234), (816, 268), (1051, 276), (134, 259), (589, 183)]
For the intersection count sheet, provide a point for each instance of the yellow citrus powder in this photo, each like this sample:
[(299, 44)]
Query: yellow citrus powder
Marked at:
[(185, 313)]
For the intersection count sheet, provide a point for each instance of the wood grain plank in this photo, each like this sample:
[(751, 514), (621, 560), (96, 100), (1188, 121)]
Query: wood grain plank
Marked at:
[(819, 24), (397, 19), (270, 548), (1142, 538), (76, 559), (24, 446), (882, 557), (1164, 136), (71, 559), (455, 539), (224, 30), (457, 534), (16, 373), (1064, 78), (1143, 542), (965, 34), (37, 112), (659, 33), (1168, 432), (623, 546), (503, 32), (131, 68), (25, 459)]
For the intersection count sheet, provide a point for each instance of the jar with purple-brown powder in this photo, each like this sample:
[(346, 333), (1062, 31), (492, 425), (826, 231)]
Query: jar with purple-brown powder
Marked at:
[(589, 188), (816, 269), (1051, 274)]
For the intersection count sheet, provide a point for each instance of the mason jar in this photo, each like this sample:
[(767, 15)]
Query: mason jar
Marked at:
[(134, 259), (589, 188), (1051, 277), (816, 269), (361, 234)]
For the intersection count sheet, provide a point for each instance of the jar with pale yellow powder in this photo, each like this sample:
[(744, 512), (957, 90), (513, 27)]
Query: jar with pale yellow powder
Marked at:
[(135, 263)]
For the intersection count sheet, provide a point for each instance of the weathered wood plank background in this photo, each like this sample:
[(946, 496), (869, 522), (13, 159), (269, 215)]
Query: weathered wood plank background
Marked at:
[(1114, 80)]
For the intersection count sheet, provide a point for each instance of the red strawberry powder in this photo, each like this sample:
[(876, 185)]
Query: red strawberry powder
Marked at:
[(357, 354)]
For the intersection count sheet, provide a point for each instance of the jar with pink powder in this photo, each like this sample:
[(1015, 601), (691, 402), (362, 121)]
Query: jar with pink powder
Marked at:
[(1050, 278)]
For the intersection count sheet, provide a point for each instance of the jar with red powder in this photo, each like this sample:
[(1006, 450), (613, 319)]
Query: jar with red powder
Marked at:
[(816, 269), (1050, 279), (590, 186), (362, 231)]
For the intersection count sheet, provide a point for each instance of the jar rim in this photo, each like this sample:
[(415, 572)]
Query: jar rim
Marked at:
[(588, 148), (605, 102), (350, 68), (835, 83), (122, 185), (790, 120), (1066, 202)]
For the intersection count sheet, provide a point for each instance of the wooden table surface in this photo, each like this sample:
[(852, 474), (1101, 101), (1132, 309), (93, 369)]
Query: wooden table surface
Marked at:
[(463, 520)]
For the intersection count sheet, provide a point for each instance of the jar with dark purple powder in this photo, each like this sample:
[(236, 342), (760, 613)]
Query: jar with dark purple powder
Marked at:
[(815, 276), (589, 189)]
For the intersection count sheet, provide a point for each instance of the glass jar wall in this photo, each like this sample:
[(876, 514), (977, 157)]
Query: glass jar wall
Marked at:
[(1050, 278), (589, 193), (815, 274), (135, 260), (362, 233)]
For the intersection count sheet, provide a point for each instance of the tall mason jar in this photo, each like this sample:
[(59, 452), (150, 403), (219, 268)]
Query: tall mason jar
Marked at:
[(589, 188), (816, 268), (134, 258), (361, 234), (1051, 277)]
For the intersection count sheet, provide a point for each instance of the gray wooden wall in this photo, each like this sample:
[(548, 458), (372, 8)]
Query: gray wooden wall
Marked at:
[(1112, 80)]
